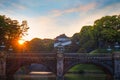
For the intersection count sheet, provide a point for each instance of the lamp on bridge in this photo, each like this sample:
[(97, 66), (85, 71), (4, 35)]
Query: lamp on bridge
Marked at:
[(116, 46), (109, 49), (60, 48), (10, 49), (2, 47), (2, 60)]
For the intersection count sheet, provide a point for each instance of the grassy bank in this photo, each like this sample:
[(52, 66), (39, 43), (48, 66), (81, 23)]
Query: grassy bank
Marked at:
[(81, 68)]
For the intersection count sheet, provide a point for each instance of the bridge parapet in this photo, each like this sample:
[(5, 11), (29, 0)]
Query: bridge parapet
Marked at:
[(88, 56), (33, 55), (84, 56)]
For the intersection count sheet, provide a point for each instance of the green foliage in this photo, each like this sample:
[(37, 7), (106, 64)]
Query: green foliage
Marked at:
[(107, 29), (104, 32), (76, 37), (40, 45), (86, 39), (85, 77), (75, 43)]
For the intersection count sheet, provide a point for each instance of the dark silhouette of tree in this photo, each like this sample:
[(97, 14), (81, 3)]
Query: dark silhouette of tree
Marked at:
[(11, 31)]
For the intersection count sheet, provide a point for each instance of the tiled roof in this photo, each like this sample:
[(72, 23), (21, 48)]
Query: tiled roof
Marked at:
[(61, 36)]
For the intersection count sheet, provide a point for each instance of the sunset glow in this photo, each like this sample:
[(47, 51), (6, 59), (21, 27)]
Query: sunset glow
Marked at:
[(21, 41)]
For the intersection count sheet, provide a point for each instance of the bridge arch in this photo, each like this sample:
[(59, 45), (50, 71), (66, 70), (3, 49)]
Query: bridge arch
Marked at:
[(27, 66), (104, 67), (13, 68)]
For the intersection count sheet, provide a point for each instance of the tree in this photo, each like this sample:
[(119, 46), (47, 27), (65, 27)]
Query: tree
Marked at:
[(106, 30), (11, 31), (74, 47), (40, 45), (86, 39)]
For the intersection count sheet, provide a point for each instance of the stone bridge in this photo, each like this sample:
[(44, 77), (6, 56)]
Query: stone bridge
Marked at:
[(60, 63)]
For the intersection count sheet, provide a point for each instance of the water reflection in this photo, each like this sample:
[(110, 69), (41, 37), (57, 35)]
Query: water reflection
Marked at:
[(40, 73), (52, 77)]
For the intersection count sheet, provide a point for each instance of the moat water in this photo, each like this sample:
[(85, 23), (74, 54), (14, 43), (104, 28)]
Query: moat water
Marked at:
[(69, 76)]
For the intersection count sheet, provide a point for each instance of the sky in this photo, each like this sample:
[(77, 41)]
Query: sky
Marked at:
[(50, 18)]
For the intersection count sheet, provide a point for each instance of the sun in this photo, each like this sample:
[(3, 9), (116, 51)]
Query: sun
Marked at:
[(21, 41)]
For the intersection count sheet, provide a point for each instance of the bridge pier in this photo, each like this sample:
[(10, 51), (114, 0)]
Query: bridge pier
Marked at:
[(60, 61), (117, 66), (60, 64), (2, 65)]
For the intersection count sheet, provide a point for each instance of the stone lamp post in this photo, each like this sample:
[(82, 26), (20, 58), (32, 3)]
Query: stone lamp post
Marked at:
[(116, 46), (60, 61), (2, 61)]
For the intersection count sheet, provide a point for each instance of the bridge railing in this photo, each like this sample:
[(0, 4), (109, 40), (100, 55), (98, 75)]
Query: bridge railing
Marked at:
[(89, 56), (32, 55), (66, 55)]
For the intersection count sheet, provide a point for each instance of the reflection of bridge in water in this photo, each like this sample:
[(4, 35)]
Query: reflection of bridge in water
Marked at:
[(59, 64)]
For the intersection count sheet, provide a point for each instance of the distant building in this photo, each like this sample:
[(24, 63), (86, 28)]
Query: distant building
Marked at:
[(62, 40)]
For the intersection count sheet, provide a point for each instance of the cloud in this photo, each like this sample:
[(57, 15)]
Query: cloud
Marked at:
[(48, 27), (78, 8), (18, 6), (112, 9), (11, 7)]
